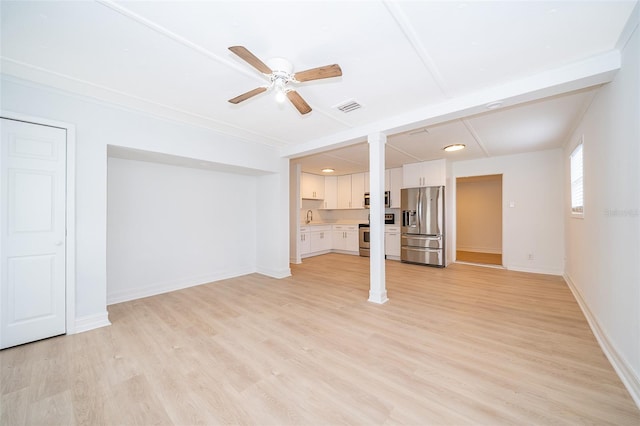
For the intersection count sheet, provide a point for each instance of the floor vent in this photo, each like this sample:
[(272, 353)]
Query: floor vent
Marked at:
[(348, 106)]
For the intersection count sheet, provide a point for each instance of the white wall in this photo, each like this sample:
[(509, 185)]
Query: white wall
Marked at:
[(97, 125), (603, 249), (171, 227), (272, 222), (535, 224)]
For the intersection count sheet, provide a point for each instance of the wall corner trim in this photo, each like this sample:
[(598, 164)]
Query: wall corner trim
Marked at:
[(630, 380), (274, 273), (91, 322)]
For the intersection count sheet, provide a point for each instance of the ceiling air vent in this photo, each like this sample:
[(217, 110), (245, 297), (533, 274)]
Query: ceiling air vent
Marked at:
[(348, 106)]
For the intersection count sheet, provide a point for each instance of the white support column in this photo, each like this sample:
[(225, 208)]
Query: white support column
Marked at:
[(377, 278)]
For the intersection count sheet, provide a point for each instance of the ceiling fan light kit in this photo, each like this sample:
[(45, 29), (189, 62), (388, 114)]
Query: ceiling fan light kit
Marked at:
[(279, 72)]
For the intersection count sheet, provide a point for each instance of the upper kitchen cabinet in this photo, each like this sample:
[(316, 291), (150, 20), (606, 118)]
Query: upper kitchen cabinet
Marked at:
[(358, 190), (393, 183), (344, 192), (330, 193), (312, 186), (427, 173), (351, 191)]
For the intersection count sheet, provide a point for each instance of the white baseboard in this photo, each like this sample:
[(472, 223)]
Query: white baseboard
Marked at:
[(534, 270), (625, 372), (168, 286), (90, 322), (274, 273)]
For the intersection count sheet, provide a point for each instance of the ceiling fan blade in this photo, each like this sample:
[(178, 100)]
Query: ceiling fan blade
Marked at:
[(301, 105), (251, 59), (249, 94), (327, 71)]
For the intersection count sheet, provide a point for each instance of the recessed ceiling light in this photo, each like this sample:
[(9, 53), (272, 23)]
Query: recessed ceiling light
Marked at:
[(494, 105), (328, 170), (454, 147)]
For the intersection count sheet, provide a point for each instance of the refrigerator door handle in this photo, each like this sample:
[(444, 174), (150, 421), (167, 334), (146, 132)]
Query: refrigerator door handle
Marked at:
[(419, 208)]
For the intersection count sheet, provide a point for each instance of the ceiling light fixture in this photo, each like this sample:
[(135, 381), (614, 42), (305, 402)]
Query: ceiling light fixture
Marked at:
[(278, 87), (454, 147), (328, 170), (494, 105)]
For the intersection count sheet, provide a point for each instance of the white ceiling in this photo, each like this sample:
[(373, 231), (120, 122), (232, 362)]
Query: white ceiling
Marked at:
[(411, 64)]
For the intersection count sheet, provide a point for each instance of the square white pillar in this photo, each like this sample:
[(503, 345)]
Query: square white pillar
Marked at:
[(377, 276)]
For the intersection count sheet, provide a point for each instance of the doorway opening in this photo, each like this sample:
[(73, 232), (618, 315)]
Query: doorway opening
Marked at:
[(479, 219)]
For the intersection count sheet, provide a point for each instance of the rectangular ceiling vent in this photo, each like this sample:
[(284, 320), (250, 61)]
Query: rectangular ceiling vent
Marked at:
[(348, 106)]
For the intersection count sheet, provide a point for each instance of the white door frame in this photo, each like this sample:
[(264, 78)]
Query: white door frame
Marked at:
[(70, 209)]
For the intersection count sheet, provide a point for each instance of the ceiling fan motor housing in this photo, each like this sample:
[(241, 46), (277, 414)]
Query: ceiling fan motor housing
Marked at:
[(280, 66)]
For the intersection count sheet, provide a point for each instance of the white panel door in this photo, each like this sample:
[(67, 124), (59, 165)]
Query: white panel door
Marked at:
[(32, 220)]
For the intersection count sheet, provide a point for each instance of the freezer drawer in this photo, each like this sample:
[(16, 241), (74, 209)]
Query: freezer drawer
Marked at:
[(424, 241), (425, 256)]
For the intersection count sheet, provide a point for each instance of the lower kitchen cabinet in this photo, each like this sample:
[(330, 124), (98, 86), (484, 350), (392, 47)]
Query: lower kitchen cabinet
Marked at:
[(305, 241), (320, 239), (345, 238), (392, 242)]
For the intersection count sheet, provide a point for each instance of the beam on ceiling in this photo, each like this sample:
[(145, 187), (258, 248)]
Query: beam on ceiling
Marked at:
[(590, 72)]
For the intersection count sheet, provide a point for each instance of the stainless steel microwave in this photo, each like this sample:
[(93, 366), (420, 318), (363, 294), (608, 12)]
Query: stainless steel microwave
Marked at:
[(387, 200)]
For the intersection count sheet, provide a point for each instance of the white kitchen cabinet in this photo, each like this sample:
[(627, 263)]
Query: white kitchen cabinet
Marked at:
[(305, 241), (312, 186), (392, 242), (330, 193), (357, 190), (395, 185), (344, 192), (367, 184), (427, 173), (320, 240), (345, 238)]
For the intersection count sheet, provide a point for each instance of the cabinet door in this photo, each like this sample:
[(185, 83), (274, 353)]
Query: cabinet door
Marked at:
[(344, 192), (338, 240), (312, 186), (305, 186), (387, 180), (320, 239), (305, 243), (392, 243), (318, 187), (395, 185), (330, 192), (366, 182), (412, 175), (434, 172), (352, 241), (357, 191)]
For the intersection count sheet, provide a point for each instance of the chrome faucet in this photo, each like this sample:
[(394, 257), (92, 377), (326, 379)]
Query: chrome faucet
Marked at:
[(309, 216)]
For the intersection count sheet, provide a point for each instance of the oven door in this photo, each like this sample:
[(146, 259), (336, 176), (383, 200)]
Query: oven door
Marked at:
[(364, 241)]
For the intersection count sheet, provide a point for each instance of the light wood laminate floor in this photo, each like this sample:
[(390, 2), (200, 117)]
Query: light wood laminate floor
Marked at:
[(460, 345)]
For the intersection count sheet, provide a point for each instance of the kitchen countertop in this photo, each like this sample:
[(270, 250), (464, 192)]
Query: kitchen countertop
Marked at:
[(341, 222)]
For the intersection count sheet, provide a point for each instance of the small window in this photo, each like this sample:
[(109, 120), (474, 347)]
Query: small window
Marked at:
[(577, 182)]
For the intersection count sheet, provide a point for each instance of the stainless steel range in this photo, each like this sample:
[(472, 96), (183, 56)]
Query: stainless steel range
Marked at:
[(389, 219)]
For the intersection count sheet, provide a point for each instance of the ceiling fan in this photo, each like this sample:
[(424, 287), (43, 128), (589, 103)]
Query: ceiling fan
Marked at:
[(280, 75)]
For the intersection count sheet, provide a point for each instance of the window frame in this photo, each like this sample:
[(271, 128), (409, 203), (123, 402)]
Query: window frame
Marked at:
[(578, 210)]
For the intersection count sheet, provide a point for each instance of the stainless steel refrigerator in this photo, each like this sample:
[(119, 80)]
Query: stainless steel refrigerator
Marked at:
[(423, 225)]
